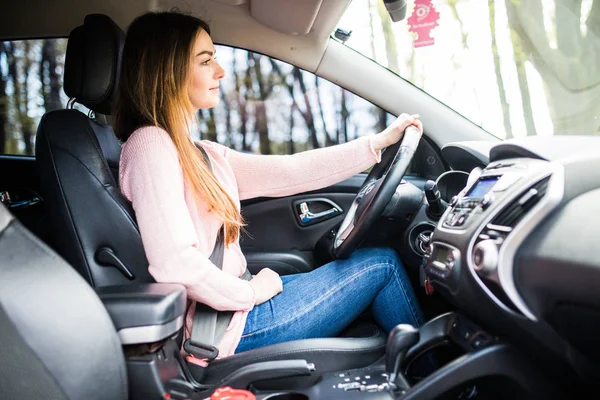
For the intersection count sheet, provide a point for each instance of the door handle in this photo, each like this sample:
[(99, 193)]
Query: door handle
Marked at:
[(19, 199), (308, 217)]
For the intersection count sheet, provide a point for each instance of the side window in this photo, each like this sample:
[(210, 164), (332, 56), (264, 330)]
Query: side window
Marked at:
[(31, 76), (271, 107)]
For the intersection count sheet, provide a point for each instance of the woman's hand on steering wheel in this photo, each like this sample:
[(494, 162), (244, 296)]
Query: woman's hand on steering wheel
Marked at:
[(400, 139), (395, 131)]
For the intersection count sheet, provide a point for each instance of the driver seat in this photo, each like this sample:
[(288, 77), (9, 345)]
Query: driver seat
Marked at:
[(94, 224)]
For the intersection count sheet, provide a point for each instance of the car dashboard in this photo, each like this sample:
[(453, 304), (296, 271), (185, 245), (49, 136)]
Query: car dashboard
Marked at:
[(517, 248)]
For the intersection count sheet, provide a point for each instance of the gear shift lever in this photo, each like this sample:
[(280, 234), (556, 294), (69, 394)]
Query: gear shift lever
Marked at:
[(400, 339)]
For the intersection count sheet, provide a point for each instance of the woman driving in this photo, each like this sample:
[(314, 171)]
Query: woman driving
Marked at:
[(184, 201)]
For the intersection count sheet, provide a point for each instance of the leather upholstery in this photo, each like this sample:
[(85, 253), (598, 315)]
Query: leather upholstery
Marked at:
[(88, 210), (363, 344), (92, 62), (58, 321), (149, 304), (78, 160)]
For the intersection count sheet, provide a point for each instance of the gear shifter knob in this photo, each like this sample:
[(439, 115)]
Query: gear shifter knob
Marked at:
[(400, 339)]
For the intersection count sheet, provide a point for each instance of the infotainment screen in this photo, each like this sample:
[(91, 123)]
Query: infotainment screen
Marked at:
[(482, 187)]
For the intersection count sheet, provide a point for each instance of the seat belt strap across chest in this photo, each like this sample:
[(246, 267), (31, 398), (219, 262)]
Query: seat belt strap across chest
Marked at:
[(210, 325)]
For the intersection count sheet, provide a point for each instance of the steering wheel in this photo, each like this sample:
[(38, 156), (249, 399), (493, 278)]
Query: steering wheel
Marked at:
[(375, 193)]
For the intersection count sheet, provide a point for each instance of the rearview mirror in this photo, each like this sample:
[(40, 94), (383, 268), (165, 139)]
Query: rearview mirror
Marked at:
[(396, 9)]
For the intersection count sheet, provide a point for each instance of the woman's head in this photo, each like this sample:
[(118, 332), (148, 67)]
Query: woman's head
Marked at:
[(168, 71)]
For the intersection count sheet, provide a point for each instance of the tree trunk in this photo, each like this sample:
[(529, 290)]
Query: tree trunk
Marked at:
[(571, 97), (499, 79), (262, 125), (247, 84), (294, 107), (390, 38), (344, 117), (520, 57), (290, 149), (307, 114), (3, 106), (328, 140), (26, 121), (211, 125), (228, 125), (20, 95), (48, 76)]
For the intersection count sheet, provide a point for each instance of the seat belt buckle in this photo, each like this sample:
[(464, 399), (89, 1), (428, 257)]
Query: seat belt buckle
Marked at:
[(201, 350)]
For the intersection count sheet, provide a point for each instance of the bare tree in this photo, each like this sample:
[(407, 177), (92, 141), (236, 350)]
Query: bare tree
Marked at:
[(328, 140), (520, 57), (344, 114), (499, 79), (228, 125), (290, 149), (20, 90), (3, 106), (294, 106), (49, 78), (570, 68), (307, 112), (381, 113), (464, 36), (264, 90), (208, 116), (241, 83)]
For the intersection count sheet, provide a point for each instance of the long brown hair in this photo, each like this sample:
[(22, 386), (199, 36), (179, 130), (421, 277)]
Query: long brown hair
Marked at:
[(155, 74)]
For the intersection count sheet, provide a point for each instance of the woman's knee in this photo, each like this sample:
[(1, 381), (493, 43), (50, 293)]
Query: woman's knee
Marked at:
[(379, 255)]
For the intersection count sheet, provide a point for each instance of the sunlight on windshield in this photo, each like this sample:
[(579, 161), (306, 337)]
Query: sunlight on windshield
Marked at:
[(514, 67)]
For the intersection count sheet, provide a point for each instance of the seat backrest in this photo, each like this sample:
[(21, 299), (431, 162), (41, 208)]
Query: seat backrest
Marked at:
[(78, 158), (56, 339)]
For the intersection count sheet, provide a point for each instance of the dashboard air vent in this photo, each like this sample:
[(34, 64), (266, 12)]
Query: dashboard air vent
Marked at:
[(514, 213)]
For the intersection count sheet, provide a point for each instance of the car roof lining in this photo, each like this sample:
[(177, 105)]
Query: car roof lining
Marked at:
[(232, 22)]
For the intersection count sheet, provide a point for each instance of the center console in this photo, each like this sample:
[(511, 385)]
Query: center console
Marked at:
[(450, 357), (477, 236)]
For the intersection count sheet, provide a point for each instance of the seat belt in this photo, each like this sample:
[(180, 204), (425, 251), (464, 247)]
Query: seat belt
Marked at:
[(210, 325)]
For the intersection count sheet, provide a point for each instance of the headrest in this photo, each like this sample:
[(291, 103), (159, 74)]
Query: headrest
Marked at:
[(93, 61)]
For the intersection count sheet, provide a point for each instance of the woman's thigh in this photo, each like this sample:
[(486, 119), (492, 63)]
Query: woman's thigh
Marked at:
[(320, 303)]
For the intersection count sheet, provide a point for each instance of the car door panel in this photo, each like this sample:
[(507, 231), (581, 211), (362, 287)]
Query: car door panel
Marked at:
[(19, 188), (275, 236)]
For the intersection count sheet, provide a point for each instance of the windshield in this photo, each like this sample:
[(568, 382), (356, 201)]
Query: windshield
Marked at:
[(514, 67)]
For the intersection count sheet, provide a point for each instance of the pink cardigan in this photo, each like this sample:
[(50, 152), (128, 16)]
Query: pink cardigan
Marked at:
[(179, 233)]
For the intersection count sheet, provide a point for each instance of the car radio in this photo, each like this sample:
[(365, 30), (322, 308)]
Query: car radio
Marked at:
[(479, 195)]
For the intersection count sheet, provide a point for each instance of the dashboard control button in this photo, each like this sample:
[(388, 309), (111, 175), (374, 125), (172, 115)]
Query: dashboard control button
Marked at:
[(485, 203), (485, 256), (453, 201)]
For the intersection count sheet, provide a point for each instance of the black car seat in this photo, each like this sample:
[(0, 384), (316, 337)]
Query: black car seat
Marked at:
[(94, 224), (57, 340)]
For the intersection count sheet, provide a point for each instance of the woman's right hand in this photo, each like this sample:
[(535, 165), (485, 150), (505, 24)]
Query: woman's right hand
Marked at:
[(266, 284)]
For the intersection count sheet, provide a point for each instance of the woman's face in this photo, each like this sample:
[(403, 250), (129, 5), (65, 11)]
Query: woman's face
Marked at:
[(205, 74)]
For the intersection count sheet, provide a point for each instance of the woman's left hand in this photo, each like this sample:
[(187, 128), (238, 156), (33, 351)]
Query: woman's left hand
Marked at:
[(394, 132)]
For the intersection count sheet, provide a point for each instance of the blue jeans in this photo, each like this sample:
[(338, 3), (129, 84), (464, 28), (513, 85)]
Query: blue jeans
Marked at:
[(323, 302)]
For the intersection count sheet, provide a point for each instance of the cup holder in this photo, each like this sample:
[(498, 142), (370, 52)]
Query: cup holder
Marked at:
[(286, 396)]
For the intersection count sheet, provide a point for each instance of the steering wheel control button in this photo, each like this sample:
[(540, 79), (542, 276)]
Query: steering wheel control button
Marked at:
[(485, 256)]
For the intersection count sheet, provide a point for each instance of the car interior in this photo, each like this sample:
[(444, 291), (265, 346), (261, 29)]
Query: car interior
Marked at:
[(497, 237)]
